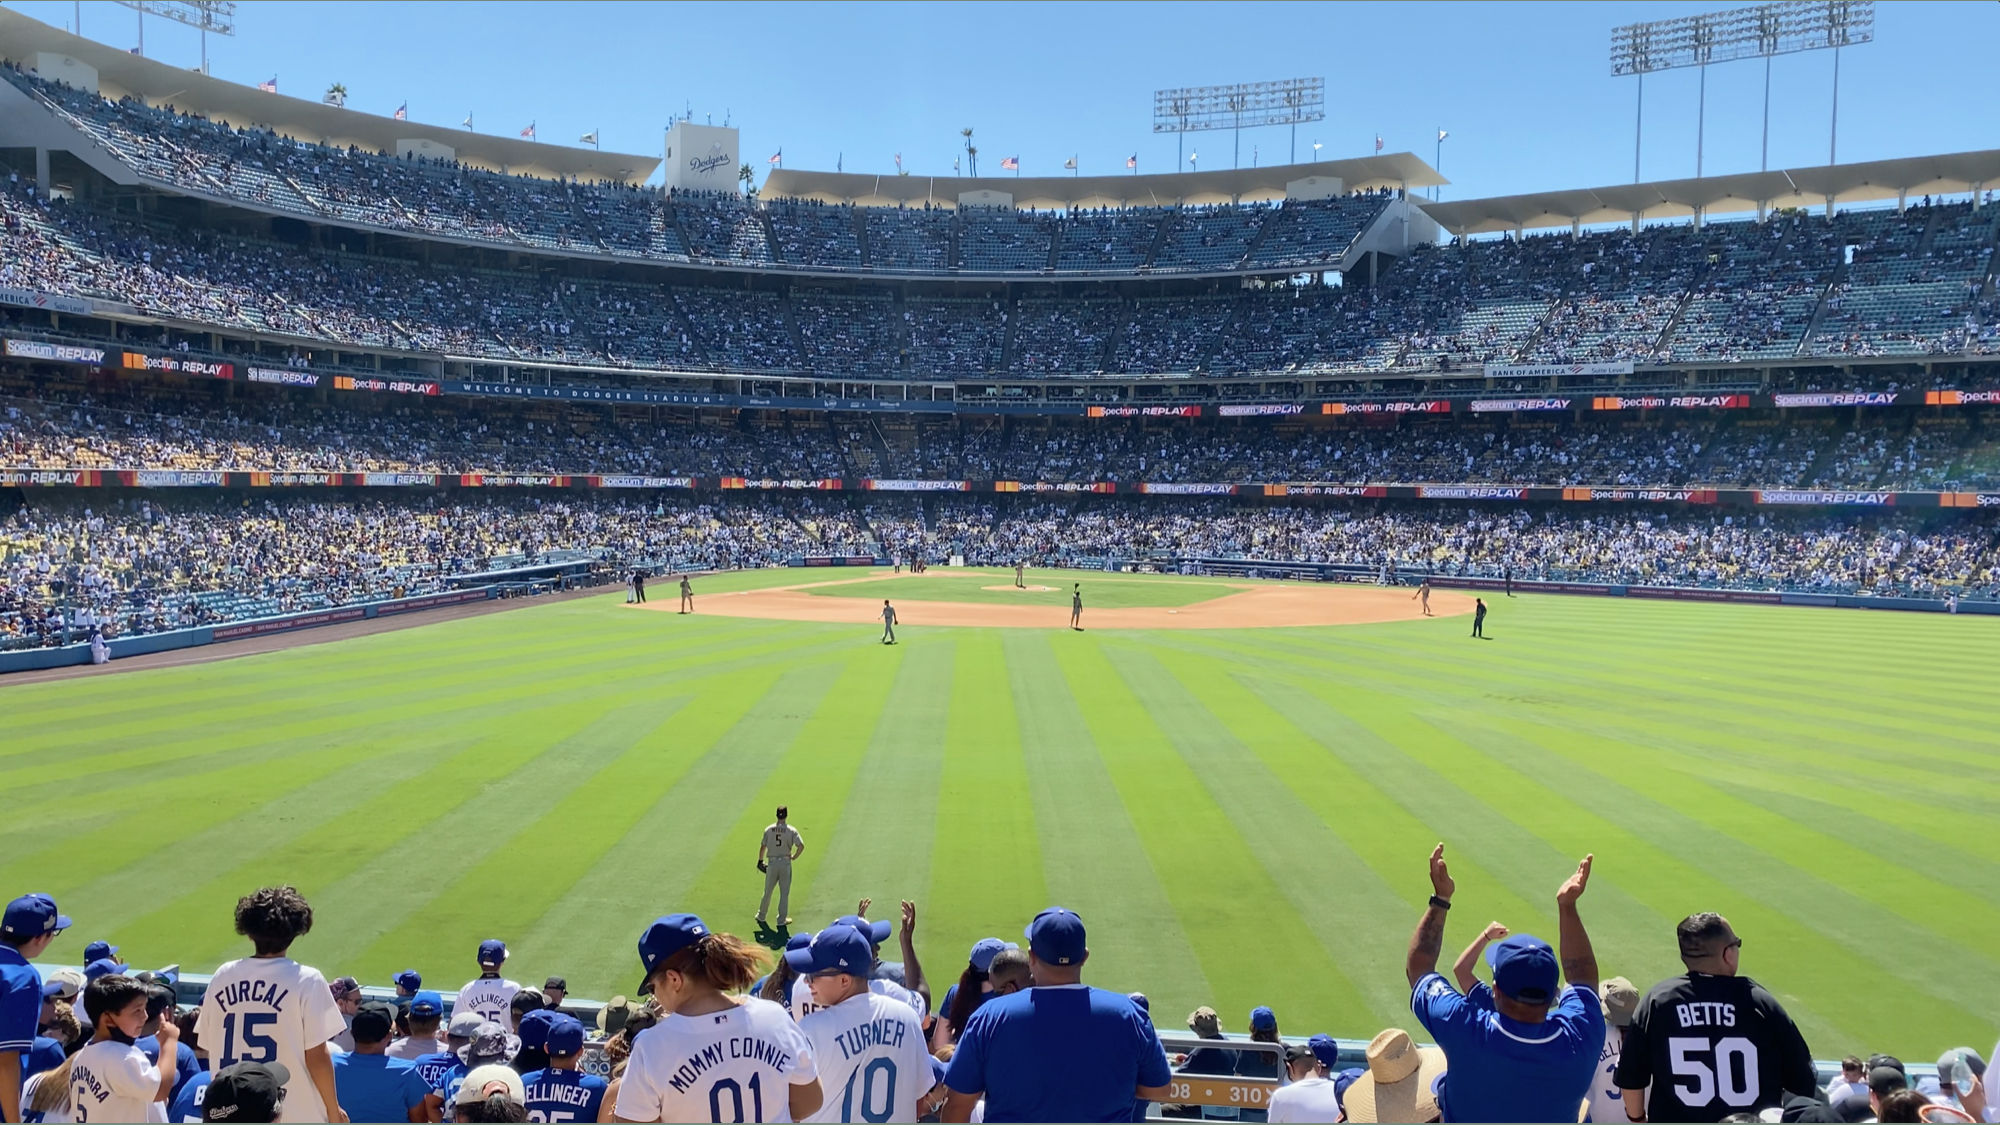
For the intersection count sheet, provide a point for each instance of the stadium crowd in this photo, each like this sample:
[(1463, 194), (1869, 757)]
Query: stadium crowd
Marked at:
[(118, 425), (1917, 286), (834, 1031), (72, 562)]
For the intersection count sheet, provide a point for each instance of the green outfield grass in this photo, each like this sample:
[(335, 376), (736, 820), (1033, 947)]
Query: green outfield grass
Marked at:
[(1100, 591), (1241, 817)]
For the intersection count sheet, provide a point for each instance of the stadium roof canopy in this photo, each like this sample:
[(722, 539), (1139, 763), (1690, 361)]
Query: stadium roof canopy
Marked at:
[(1389, 170), (1951, 174), (120, 72)]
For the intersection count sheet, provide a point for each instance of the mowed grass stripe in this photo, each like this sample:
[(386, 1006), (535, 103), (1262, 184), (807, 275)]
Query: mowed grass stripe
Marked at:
[(879, 843), (813, 780), (1093, 857), (741, 736), (386, 816), (1277, 831), (986, 869), (1218, 888), (1807, 950)]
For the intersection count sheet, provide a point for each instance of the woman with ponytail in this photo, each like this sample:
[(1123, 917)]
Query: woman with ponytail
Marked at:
[(714, 1055)]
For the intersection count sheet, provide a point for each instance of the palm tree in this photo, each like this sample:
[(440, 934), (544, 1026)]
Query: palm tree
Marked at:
[(748, 175), (336, 94)]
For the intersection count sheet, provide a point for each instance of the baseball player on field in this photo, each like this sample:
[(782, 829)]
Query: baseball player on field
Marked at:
[(776, 849)]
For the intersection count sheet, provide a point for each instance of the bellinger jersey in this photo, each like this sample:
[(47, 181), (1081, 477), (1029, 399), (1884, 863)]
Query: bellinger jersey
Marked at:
[(270, 1009), (491, 997), (873, 1062), (562, 1095), (738, 1064), (1712, 1046)]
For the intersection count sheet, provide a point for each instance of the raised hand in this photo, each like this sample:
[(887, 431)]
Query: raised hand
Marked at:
[(1441, 884), (1572, 888), (1494, 931), (909, 918), (862, 910)]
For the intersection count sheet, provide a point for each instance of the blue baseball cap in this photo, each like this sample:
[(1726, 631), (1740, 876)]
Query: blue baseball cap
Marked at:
[(876, 932), (426, 1004), (836, 949), (986, 949), (102, 967), (1140, 1002), (1342, 1081), (1325, 1050), (565, 1034), (668, 935), (31, 916), (98, 951), (492, 951), (534, 1027), (1524, 967), (1056, 937), (1263, 1019), (409, 980)]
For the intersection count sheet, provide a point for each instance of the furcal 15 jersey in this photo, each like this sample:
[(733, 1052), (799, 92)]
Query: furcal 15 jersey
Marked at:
[(734, 1065), (270, 1009), (871, 1057), (1712, 1046)]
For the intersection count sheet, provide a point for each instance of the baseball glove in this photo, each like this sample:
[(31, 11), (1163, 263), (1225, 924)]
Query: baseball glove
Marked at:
[(762, 866)]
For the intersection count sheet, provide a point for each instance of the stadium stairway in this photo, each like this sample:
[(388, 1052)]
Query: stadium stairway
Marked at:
[(1160, 238), (1827, 292), (861, 238)]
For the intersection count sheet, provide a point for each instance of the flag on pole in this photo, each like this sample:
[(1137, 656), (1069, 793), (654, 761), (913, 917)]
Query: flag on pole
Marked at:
[(1070, 164), (899, 162), (1011, 164), (403, 112), (779, 156), (529, 132), (589, 138), (1442, 134), (270, 87), (468, 119), (1132, 162), (1378, 142)]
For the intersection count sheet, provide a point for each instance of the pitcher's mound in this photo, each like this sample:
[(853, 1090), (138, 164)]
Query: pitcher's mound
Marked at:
[(1023, 589)]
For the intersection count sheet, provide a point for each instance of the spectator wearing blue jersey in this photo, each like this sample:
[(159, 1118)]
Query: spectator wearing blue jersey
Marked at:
[(371, 1085), (533, 1027), (973, 989), (1530, 1057), (440, 1068), (1061, 1051), (30, 923), (187, 1104), (562, 1092)]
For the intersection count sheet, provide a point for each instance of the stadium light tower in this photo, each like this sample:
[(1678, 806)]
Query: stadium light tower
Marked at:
[(218, 16), (1764, 31), (1193, 109)]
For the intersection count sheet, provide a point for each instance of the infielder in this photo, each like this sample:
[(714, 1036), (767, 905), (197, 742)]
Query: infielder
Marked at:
[(1018, 568), (776, 849), (1424, 593), (687, 595), (1076, 608), (888, 622)]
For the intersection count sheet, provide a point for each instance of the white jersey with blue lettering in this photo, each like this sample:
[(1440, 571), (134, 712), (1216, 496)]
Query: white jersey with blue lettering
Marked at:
[(738, 1064), (270, 1009), (803, 1006), (491, 997), (873, 1065)]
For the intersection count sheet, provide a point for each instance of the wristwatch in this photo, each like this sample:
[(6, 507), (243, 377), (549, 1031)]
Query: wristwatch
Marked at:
[(1441, 903)]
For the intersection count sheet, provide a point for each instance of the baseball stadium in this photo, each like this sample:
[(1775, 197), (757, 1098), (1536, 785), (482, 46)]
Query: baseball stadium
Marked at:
[(484, 536)]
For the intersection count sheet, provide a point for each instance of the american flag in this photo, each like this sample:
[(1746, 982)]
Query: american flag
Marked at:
[(1011, 164), (777, 156), (1070, 164), (403, 112), (529, 132), (270, 87), (1378, 142), (1132, 161)]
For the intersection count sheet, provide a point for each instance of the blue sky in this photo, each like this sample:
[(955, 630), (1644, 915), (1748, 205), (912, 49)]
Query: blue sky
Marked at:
[(1524, 88)]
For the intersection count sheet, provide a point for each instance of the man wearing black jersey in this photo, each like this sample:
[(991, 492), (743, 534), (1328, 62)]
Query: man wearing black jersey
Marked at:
[(1711, 1042)]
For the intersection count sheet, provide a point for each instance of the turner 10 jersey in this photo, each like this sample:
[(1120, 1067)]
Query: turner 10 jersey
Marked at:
[(270, 1009), (738, 1064), (1711, 1046), (873, 1065)]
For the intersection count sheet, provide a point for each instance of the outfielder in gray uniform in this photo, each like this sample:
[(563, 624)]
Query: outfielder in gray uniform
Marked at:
[(888, 622), (776, 849)]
